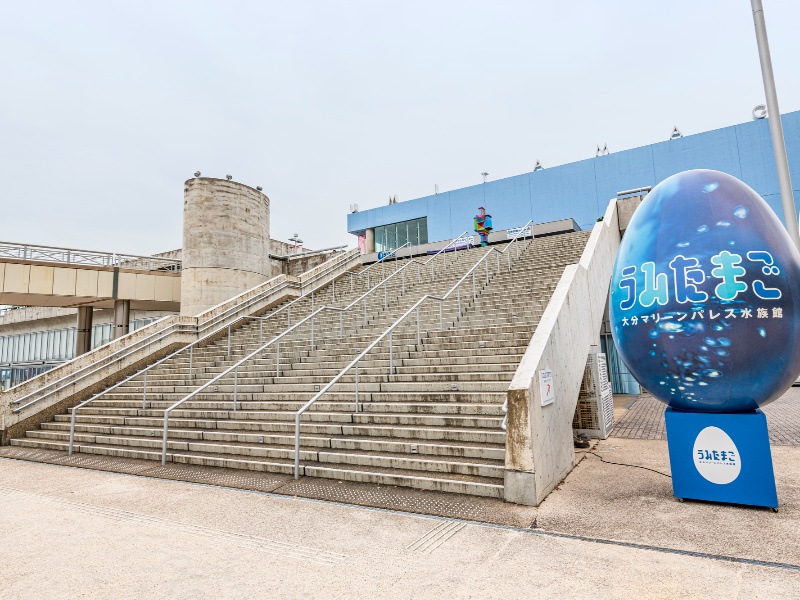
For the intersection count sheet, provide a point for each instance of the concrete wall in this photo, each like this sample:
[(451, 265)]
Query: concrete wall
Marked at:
[(539, 450), (300, 263), (226, 242), (580, 189)]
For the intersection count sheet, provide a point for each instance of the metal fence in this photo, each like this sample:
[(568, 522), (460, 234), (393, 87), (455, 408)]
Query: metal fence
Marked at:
[(73, 256)]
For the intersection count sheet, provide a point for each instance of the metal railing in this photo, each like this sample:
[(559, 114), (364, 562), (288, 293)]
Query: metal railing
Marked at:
[(119, 355), (524, 232), (307, 254), (277, 340), (190, 347), (73, 256), (464, 236), (382, 261)]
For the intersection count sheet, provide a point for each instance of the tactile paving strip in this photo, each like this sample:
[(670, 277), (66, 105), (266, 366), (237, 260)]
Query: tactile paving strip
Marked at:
[(456, 506), (221, 477)]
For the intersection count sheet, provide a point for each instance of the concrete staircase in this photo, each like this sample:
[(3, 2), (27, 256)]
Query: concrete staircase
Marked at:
[(433, 423)]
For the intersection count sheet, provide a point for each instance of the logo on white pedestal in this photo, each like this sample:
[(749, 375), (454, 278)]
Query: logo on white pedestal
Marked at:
[(716, 457)]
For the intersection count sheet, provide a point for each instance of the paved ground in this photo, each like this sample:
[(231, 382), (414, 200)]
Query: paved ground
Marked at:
[(454, 506), (642, 418), (121, 528), (78, 533)]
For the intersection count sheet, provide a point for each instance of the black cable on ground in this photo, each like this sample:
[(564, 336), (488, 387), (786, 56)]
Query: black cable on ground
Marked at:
[(609, 462)]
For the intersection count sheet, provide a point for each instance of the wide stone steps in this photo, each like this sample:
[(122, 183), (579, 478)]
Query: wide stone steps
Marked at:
[(432, 423)]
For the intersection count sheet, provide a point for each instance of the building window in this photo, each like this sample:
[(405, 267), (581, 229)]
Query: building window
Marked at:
[(395, 235)]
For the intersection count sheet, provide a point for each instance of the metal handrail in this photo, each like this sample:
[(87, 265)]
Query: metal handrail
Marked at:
[(74, 256), (442, 250), (390, 253), (192, 345), (160, 335), (235, 367), (393, 326), (199, 329), (306, 254)]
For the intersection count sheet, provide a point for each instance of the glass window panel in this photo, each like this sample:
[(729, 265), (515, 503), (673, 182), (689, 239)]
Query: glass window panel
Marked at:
[(380, 239)]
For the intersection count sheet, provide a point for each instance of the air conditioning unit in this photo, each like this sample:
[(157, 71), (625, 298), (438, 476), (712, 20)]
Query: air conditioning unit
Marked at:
[(354, 208), (594, 414)]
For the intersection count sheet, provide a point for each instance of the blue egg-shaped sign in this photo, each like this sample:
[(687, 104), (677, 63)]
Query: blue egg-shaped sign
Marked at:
[(705, 296)]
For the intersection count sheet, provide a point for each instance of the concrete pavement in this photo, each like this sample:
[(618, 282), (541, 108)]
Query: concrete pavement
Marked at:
[(76, 533)]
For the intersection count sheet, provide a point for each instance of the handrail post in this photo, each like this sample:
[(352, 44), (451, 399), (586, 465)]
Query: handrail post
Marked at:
[(404, 281), (72, 431), (509, 261), (418, 341), (365, 311), (486, 264), (164, 441), (441, 320), (229, 341), (278, 359), (235, 386), (144, 393), (341, 323), (357, 387), (191, 356), (288, 316), (459, 302), (391, 333), (474, 294), (297, 446), (333, 291), (261, 331), (312, 330), (385, 301)]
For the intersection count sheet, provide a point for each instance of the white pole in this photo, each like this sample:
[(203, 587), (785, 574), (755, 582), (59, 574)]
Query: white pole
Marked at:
[(775, 126)]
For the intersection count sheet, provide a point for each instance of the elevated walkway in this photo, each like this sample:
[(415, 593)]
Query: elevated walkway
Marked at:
[(33, 275)]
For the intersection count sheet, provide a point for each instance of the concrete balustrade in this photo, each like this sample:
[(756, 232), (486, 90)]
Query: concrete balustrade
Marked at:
[(539, 445)]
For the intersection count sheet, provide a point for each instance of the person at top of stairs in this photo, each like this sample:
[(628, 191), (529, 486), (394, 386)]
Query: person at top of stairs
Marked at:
[(483, 225)]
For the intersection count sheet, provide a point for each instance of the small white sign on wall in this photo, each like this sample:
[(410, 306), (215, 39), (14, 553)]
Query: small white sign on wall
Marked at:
[(546, 387)]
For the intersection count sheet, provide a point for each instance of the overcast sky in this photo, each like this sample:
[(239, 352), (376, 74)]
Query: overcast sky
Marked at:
[(106, 108)]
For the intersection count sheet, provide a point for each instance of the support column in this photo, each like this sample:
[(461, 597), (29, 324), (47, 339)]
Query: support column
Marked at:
[(83, 341), (370, 241), (122, 317)]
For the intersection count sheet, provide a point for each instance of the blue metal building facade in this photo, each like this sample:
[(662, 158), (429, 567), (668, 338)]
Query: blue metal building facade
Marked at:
[(581, 190)]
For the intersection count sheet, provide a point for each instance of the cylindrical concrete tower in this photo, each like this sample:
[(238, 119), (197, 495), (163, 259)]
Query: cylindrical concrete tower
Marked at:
[(225, 242)]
